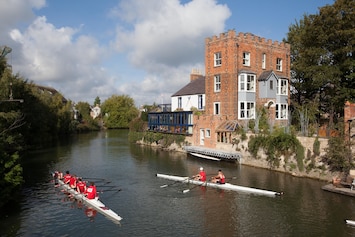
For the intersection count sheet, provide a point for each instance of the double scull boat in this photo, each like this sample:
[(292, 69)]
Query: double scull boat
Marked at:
[(94, 203), (226, 186)]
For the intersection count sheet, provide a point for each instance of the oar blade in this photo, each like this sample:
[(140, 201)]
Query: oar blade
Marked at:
[(164, 186), (186, 191)]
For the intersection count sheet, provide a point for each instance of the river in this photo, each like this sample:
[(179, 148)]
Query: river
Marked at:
[(126, 175)]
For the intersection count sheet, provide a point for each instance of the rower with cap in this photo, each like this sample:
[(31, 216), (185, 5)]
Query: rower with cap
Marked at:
[(201, 175)]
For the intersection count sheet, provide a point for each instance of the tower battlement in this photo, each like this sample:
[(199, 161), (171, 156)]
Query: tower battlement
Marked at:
[(247, 38)]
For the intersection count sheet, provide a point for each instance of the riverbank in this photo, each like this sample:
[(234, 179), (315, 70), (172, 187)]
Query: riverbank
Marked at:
[(261, 162), (341, 190)]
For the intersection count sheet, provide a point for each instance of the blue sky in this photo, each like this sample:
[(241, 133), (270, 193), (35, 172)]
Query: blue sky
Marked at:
[(145, 49)]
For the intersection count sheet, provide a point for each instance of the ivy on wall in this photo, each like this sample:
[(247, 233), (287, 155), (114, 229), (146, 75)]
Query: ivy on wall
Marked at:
[(276, 145)]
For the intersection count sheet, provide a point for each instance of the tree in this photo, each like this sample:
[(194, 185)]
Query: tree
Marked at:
[(119, 111), (11, 141), (323, 59), (86, 122), (97, 101)]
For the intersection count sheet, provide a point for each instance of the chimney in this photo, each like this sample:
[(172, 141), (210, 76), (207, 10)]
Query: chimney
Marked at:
[(195, 74)]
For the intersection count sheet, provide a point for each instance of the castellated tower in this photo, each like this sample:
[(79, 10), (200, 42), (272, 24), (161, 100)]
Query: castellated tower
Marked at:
[(243, 73), (235, 50)]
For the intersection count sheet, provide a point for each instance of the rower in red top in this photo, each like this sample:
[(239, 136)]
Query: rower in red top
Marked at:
[(67, 176), (81, 186), (91, 191), (219, 178), (201, 175), (72, 182)]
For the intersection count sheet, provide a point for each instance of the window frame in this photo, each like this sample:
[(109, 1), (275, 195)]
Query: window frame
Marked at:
[(217, 59), (246, 110), (179, 102), (282, 86), (216, 108), (217, 83), (246, 59), (281, 111), (200, 101), (263, 61), (207, 132), (279, 64), (246, 82)]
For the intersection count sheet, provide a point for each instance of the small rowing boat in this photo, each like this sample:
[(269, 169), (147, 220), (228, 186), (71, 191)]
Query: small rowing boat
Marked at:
[(350, 222), (94, 203), (226, 186)]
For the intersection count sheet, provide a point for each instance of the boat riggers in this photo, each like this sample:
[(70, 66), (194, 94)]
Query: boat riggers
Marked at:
[(226, 186), (198, 185), (178, 181), (94, 203)]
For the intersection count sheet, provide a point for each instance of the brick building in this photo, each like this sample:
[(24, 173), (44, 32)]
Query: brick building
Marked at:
[(243, 72), (349, 119)]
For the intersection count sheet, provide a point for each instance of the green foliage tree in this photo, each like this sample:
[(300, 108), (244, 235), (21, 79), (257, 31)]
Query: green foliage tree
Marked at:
[(11, 141), (30, 118), (322, 59), (86, 122), (118, 111), (97, 101), (337, 155)]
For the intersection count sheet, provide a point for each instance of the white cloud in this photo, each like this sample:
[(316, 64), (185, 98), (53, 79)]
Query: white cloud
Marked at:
[(166, 38), (59, 58), (168, 33), (161, 40)]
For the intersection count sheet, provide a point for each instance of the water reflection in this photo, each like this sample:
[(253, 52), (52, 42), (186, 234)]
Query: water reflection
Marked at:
[(148, 210)]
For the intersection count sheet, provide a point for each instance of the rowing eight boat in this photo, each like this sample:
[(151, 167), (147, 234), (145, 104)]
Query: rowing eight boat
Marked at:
[(95, 203), (226, 186)]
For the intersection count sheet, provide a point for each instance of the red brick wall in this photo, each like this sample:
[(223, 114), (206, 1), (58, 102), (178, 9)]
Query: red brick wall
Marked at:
[(349, 114), (232, 46)]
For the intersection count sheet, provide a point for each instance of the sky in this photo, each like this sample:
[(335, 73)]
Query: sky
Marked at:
[(145, 49)]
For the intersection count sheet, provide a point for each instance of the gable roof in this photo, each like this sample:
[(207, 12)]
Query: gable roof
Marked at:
[(195, 87), (264, 76)]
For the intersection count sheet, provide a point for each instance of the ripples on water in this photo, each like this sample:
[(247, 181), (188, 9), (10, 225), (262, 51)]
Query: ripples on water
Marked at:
[(151, 211)]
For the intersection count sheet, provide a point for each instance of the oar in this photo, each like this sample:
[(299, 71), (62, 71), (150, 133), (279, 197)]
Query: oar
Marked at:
[(198, 185), (177, 181), (91, 178), (107, 186), (109, 190)]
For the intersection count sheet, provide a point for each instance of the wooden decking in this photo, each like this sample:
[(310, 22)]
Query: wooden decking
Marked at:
[(341, 189)]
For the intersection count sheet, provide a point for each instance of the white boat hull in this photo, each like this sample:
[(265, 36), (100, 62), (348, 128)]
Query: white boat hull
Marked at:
[(350, 222), (226, 186), (205, 157), (94, 203)]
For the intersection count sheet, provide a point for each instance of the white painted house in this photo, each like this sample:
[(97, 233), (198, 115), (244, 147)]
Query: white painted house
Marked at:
[(191, 95)]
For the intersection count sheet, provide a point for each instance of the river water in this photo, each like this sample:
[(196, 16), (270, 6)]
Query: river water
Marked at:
[(149, 210)]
